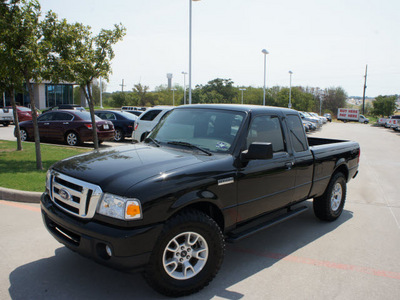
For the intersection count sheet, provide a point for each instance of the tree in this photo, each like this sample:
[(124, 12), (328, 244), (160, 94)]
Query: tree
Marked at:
[(77, 56), (21, 39), (218, 91), (10, 79), (141, 92), (384, 105), (334, 98)]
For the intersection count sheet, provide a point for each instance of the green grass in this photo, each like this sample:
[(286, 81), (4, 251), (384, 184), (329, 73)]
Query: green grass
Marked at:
[(18, 168)]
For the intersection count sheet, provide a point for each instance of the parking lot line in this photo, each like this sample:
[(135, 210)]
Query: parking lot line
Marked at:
[(320, 263), (20, 205)]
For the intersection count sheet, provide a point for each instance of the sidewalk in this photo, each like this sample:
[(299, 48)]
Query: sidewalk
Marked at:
[(19, 196)]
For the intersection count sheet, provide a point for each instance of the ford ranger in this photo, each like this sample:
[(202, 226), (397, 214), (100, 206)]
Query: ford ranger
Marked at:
[(205, 175)]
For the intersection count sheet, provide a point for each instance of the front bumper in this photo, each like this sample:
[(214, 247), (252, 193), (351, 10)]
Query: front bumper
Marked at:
[(131, 247)]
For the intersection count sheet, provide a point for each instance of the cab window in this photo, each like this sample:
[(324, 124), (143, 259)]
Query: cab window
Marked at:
[(267, 129)]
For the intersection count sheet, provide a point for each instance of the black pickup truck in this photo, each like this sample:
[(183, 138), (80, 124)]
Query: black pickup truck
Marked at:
[(205, 175)]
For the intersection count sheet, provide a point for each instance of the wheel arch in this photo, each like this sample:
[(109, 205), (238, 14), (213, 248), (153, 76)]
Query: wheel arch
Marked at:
[(208, 208), (342, 168)]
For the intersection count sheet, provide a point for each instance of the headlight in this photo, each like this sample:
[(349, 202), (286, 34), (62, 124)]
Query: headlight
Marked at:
[(48, 180), (118, 207)]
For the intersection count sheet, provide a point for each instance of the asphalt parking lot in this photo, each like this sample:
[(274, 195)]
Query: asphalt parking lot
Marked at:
[(356, 257)]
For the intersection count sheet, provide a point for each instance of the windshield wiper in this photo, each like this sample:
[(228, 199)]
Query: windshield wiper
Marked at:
[(191, 146), (149, 139)]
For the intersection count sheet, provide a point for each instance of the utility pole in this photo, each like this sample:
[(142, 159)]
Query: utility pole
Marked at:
[(122, 85), (365, 87)]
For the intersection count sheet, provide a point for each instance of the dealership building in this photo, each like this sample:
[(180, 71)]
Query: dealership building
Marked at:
[(46, 94)]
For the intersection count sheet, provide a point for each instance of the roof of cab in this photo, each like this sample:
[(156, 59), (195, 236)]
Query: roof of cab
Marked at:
[(240, 107)]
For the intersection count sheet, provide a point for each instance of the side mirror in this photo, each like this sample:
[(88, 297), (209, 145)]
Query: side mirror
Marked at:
[(258, 151)]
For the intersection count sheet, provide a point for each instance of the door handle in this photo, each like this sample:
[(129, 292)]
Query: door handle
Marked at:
[(66, 123), (289, 165), (46, 123)]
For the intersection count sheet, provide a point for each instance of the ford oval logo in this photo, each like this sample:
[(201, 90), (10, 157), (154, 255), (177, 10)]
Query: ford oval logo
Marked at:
[(64, 194)]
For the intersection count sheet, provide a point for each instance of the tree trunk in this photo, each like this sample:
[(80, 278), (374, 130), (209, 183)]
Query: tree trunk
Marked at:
[(16, 121), (89, 98), (39, 164)]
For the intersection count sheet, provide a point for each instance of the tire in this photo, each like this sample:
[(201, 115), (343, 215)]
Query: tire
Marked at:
[(24, 135), (118, 135), (330, 205), (6, 124), (72, 139), (187, 255), (143, 137)]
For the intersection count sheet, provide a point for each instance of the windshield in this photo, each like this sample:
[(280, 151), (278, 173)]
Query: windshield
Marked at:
[(211, 130)]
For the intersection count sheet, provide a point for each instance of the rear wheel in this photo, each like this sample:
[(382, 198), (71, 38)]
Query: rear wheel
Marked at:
[(72, 139), (187, 255), (330, 205), (118, 135)]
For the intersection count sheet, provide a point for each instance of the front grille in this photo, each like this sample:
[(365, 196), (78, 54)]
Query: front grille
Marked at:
[(74, 196)]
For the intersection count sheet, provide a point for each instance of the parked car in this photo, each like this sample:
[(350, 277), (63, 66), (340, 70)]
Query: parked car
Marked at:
[(24, 113), (323, 119), (148, 120), (310, 125), (135, 108), (392, 120), (65, 106), (328, 117), (382, 121), (6, 116), (71, 127), (307, 117), (123, 121)]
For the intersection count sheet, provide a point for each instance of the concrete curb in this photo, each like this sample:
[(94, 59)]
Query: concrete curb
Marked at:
[(19, 196)]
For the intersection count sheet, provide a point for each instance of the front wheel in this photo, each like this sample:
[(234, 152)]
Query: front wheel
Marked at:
[(23, 134), (330, 205), (187, 255)]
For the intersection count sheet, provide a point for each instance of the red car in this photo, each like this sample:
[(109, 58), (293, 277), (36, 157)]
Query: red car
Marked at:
[(71, 127), (24, 113)]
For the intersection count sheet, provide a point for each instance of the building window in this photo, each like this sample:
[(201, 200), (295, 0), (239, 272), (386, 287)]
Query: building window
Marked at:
[(57, 94)]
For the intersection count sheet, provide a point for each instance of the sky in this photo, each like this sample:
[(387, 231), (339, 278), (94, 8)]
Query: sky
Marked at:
[(324, 43)]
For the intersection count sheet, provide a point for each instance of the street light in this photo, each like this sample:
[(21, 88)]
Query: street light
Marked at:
[(184, 87), (290, 90), (101, 94), (173, 96), (190, 50), (242, 93), (265, 52)]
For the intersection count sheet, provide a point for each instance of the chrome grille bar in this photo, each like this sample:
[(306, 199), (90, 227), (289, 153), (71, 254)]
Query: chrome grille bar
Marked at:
[(71, 195)]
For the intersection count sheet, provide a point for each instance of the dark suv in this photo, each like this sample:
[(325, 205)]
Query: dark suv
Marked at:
[(72, 127)]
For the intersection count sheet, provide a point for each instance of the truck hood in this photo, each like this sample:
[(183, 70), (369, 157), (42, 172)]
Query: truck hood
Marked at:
[(118, 169)]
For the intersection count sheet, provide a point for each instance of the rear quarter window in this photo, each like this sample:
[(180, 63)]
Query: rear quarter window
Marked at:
[(150, 115), (296, 132)]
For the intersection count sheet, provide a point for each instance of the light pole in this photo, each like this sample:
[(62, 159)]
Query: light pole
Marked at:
[(173, 96), (242, 93), (265, 52), (101, 94), (184, 87), (190, 50), (290, 89)]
